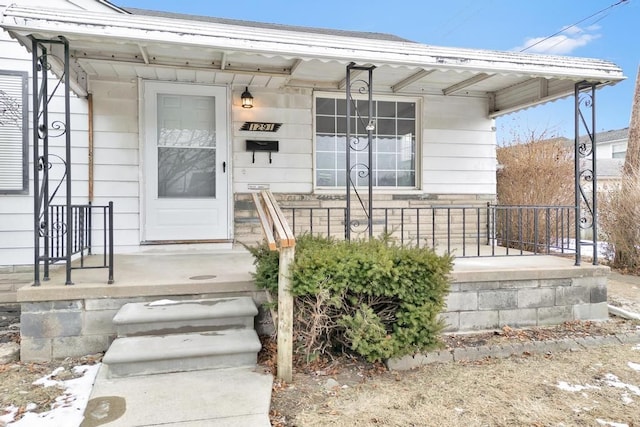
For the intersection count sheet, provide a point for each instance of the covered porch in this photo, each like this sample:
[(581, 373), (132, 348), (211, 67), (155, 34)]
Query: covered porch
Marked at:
[(443, 160)]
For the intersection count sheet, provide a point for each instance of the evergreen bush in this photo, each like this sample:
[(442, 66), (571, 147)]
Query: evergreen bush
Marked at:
[(372, 298)]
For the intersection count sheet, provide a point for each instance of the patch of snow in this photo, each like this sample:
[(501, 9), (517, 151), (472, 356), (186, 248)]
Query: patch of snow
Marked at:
[(610, 423), (626, 399), (162, 302), (46, 381), (568, 246), (563, 385), (614, 381), (636, 347), (634, 366), (458, 410), (10, 414), (67, 410)]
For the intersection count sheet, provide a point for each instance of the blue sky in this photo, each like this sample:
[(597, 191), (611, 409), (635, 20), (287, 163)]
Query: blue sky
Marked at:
[(613, 35)]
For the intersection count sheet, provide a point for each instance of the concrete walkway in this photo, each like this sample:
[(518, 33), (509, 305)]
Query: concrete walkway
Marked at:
[(222, 397)]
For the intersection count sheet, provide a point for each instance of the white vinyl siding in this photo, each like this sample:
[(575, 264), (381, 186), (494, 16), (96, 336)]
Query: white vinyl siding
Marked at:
[(116, 158), (291, 168), (459, 147), (14, 128)]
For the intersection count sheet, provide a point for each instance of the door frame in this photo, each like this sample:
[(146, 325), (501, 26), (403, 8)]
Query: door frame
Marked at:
[(142, 166)]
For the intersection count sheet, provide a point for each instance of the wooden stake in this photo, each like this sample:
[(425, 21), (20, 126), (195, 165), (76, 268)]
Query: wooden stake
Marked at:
[(285, 316)]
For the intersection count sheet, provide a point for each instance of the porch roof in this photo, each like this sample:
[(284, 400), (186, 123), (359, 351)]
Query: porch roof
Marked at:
[(183, 48)]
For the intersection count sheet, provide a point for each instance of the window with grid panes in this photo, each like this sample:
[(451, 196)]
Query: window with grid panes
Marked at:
[(394, 143)]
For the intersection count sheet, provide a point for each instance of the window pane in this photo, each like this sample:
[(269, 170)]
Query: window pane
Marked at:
[(326, 161), (342, 124), (186, 121), (363, 108), (407, 179), (325, 124), (386, 109), (407, 110), (386, 178), (325, 178), (186, 172), (386, 144), (326, 106), (406, 127), (341, 107), (386, 127), (386, 161), (325, 143), (341, 160)]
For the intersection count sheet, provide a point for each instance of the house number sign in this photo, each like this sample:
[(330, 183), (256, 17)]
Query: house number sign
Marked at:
[(261, 126)]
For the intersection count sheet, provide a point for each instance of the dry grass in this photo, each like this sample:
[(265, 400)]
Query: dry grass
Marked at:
[(619, 213), (17, 388), (520, 391)]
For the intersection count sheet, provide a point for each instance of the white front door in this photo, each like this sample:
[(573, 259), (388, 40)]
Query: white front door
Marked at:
[(185, 162)]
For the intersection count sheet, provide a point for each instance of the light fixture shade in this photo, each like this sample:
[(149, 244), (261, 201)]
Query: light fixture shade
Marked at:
[(247, 99)]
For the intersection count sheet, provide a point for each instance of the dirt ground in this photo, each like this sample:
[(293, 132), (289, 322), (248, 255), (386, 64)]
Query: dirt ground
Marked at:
[(526, 390), (593, 387)]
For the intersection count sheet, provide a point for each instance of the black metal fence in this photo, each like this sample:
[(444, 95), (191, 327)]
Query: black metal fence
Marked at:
[(466, 231), (91, 226)]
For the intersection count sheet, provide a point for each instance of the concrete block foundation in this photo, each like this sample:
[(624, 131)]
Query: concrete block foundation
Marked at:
[(525, 292)]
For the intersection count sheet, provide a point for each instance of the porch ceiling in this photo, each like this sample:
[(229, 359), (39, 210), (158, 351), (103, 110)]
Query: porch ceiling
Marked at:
[(124, 47)]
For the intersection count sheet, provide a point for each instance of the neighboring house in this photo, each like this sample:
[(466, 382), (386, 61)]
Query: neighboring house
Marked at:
[(155, 77), (611, 148)]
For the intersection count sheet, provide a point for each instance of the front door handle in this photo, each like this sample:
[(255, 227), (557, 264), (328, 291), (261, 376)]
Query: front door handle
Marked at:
[(224, 167)]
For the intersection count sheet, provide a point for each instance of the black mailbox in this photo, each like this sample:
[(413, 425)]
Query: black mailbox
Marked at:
[(267, 146)]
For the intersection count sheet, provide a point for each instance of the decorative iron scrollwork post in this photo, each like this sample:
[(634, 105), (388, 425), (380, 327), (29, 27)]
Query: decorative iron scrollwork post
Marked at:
[(585, 167), (355, 142), (44, 53)]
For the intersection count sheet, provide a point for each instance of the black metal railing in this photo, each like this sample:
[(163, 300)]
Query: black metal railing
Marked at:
[(91, 227), (466, 231), (533, 230)]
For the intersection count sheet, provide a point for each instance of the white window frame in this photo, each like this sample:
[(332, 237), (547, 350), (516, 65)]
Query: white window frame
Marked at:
[(22, 121), (418, 142), (619, 148)]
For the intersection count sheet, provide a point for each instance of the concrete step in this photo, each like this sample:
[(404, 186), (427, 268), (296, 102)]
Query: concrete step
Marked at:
[(180, 317), (145, 355)]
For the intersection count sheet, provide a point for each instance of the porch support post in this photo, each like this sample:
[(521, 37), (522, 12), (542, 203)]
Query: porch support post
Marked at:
[(369, 128), (586, 217), (347, 216), (36, 162), (285, 316), (67, 120), (354, 142)]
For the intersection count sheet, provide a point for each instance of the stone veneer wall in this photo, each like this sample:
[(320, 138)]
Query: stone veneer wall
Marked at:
[(517, 300), (248, 231), (57, 329)]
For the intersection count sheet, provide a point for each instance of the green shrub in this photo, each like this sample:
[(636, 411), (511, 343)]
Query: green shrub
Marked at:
[(372, 298)]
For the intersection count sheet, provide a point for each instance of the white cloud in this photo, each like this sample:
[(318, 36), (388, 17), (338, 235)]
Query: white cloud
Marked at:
[(569, 40)]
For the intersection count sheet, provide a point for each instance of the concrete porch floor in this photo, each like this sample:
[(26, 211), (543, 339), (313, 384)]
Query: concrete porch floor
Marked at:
[(162, 270), (193, 270)]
